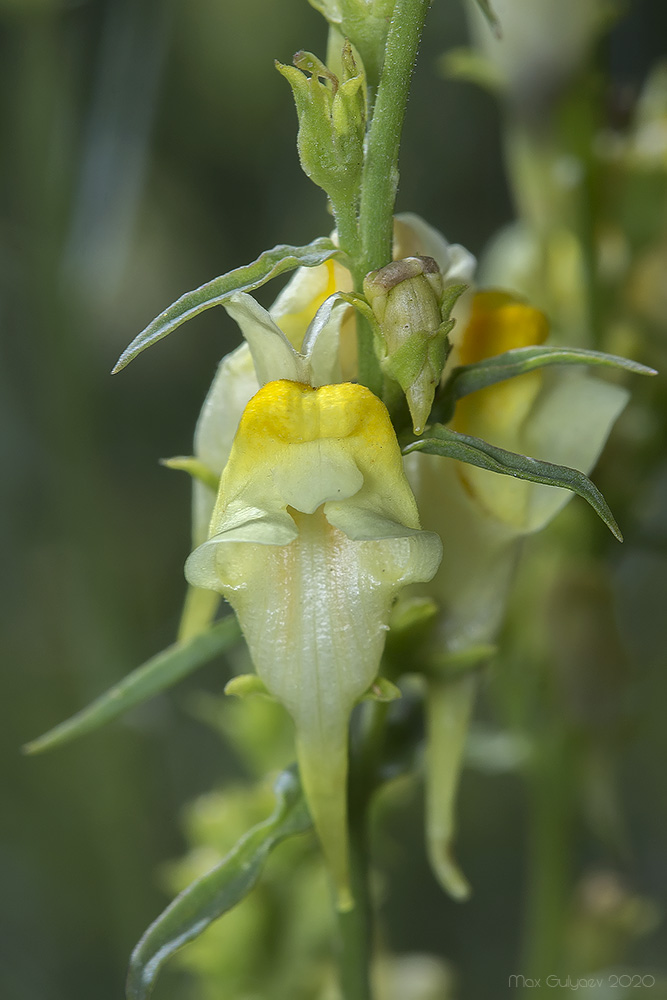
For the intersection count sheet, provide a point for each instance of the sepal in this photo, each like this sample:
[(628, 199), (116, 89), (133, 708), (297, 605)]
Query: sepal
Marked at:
[(195, 468), (246, 686), (382, 690)]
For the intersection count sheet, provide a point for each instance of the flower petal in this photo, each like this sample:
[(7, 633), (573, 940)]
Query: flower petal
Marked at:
[(272, 354), (315, 614), (414, 237), (235, 383), (472, 581), (302, 296), (569, 425)]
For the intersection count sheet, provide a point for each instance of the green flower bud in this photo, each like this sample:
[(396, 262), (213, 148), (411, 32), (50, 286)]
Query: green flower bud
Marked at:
[(412, 309), (365, 23), (332, 121)]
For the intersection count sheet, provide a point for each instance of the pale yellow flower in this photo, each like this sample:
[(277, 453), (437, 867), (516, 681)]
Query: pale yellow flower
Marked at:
[(314, 533), (481, 518), (292, 314), (560, 416)]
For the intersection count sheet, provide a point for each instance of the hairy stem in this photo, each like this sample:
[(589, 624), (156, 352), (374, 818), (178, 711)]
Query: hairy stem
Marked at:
[(380, 173), (373, 250)]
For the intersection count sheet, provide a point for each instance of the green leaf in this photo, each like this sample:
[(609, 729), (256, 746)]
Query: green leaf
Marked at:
[(217, 892), (491, 17), (450, 444), (155, 675), (469, 378), (243, 279)]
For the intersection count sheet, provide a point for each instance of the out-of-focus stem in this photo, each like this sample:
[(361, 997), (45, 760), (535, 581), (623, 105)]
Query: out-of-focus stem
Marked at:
[(551, 791), (355, 926)]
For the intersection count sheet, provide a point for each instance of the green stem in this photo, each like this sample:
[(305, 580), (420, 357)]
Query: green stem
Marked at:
[(347, 228), (380, 173), (355, 926), (374, 233), (550, 853)]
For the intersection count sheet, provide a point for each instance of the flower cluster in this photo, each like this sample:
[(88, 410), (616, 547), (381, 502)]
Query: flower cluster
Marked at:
[(315, 525)]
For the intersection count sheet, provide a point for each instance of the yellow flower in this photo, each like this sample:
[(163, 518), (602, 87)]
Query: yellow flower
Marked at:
[(290, 318), (562, 417), (314, 532)]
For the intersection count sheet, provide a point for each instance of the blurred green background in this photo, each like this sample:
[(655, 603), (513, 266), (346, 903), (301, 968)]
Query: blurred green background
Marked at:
[(148, 145)]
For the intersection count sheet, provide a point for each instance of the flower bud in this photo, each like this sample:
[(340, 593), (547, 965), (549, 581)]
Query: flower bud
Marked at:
[(332, 121), (409, 302)]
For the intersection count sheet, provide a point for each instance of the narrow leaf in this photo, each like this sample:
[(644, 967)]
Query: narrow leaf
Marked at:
[(212, 895), (155, 675), (474, 451), (469, 378), (491, 17), (268, 265)]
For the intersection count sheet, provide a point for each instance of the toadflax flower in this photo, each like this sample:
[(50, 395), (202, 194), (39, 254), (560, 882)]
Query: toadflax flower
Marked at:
[(291, 315), (314, 532), (561, 417), (311, 572)]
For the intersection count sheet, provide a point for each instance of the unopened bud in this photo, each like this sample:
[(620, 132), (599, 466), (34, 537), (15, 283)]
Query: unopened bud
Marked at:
[(412, 309), (332, 121)]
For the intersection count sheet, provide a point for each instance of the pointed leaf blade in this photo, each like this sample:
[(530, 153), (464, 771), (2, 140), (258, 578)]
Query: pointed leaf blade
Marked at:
[(491, 17), (154, 676), (470, 378), (450, 444), (268, 265), (212, 895)]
